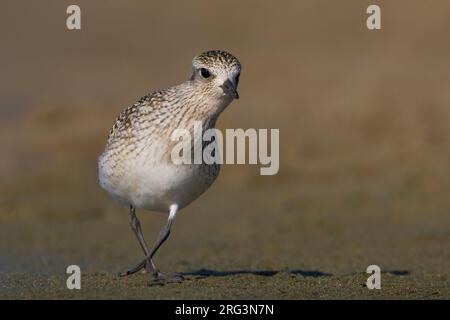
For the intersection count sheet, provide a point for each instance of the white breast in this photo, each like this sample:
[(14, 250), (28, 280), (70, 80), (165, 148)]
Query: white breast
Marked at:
[(142, 181)]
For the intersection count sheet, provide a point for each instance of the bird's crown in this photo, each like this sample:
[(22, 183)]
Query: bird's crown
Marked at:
[(213, 58)]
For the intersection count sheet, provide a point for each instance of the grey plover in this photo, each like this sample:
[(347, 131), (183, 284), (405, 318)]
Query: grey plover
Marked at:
[(136, 166)]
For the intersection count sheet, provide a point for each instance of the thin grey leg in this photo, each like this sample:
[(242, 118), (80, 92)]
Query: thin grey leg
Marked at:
[(136, 226), (163, 235)]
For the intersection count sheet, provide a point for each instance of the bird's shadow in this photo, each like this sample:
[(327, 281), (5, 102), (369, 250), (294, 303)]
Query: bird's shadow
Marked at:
[(397, 272), (204, 273)]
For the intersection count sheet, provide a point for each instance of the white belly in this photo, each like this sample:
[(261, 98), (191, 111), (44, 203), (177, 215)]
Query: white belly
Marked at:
[(154, 186)]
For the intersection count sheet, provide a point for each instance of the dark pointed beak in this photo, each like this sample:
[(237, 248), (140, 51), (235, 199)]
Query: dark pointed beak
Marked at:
[(230, 89)]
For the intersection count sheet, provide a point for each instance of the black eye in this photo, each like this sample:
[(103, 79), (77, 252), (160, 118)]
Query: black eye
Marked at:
[(205, 73)]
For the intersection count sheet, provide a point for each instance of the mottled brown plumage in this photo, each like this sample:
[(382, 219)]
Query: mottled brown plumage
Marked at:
[(136, 167)]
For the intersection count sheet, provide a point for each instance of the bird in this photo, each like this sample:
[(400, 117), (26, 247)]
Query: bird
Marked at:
[(136, 167)]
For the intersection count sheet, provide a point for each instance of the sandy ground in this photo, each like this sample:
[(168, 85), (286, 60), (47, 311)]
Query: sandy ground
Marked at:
[(364, 176)]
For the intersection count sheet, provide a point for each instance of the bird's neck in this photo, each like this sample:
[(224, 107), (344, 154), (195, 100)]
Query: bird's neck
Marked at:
[(201, 105)]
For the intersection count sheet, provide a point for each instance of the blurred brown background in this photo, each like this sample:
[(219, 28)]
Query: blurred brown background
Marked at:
[(364, 127)]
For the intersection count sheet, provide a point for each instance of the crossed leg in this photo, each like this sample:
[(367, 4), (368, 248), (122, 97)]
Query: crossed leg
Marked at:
[(136, 226), (147, 263)]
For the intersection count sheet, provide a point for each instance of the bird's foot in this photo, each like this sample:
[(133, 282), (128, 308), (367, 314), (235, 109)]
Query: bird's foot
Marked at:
[(159, 278), (146, 267)]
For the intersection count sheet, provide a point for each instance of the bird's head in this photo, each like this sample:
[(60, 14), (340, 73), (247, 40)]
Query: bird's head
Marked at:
[(217, 73)]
